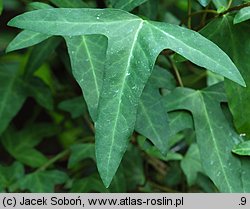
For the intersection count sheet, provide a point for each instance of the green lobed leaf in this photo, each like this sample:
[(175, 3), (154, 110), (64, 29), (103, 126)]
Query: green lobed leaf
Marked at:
[(242, 15), (242, 148), (215, 149), (191, 164), (127, 5), (80, 152), (21, 144), (138, 57), (234, 40), (152, 120), (12, 93), (10, 175), (75, 106), (92, 183), (39, 54), (42, 181), (149, 9)]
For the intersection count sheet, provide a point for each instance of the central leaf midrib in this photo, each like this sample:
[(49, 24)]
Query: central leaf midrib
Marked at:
[(214, 141), (92, 66), (121, 91)]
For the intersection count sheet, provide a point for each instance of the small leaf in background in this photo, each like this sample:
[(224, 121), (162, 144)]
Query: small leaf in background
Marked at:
[(242, 148), (218, 163), (126, 5), (1, 6), (42, 181), (191, 164), (236, 45), (149, 9), (92, 183), (26, 39), (21, 144), (204, 3), (133, 168), (242, 15), (221, 5), (76, 106), (10, 175), (12, 93), (69, 4), (80, 152)]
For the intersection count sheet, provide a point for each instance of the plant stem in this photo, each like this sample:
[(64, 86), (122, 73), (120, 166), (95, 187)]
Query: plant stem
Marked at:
[(53, 160), (235, 8), (189, 13), (176, 72)]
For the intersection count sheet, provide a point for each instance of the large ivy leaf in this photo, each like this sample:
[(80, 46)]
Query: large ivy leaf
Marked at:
[(234, 39), (218, 162), (122, 88), (21, 144), (242, 15), (42, 181), (127, 5)]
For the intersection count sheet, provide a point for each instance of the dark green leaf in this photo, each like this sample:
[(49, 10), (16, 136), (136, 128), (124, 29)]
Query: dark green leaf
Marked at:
[(215, 148), (127, 5), (75, 106), (43, 181), (69, 4), (9, 175), (234, 39), (80, 152), (191, 164), (21, 144), (12, 93)]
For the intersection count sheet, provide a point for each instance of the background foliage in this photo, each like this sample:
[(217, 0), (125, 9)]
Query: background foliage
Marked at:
[(72, 104)]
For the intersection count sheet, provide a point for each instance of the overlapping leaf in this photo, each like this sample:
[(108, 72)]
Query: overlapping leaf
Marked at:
[(242, 148), (127, 5), (127, 66), (234, 40), (21, 144), (42, 181), (242, 15), (215, 137)]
